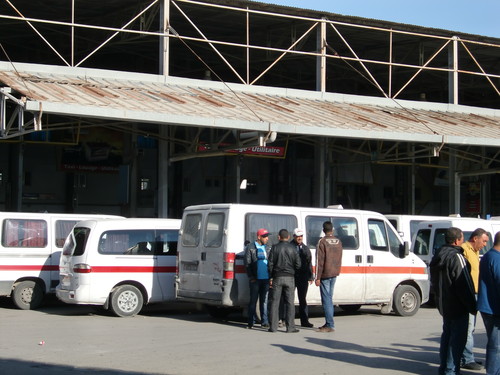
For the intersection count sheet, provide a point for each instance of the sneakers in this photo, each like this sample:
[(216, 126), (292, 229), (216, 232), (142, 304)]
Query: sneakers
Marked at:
[(325, 329), (249, 326), (472, 366), (307, 325), (295, 330), (265, 325)]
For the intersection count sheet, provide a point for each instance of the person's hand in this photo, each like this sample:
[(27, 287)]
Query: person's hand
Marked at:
[(317, 282), (270, 283), (252, 280)]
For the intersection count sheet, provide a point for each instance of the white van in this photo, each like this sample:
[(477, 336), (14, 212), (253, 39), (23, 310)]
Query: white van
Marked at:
[(119, 264), (430, 234), (406, 225), (30, 248), (376, 267)]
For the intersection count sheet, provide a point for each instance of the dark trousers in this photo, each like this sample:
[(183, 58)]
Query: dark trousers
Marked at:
[(258, 290), (452, 344), (302, 285), (282, 286)]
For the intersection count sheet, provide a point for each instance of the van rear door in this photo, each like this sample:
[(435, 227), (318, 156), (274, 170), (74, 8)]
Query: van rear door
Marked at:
[(201, 255)]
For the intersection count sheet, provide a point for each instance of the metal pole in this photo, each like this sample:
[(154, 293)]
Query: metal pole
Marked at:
[(321, 59), (164, 40), (453, 73)]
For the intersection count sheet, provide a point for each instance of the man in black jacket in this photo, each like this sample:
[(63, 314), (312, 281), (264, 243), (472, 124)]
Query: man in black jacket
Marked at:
[(304, 276), (455, 299), (284, 261)]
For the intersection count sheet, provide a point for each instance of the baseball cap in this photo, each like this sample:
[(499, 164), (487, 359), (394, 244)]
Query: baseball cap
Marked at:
[(262, 232), (297, 232)]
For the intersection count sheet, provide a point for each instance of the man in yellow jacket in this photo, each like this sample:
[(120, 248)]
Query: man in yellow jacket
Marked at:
[(477, 240)]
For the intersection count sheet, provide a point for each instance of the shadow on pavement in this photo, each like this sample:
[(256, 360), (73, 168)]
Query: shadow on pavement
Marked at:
[(12, 366)]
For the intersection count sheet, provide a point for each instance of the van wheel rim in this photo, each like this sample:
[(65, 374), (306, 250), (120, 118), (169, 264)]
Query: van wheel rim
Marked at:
[(408, 301), (27, 295), (128, 301)]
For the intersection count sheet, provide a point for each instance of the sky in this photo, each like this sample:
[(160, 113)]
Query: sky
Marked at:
[(480, 17)]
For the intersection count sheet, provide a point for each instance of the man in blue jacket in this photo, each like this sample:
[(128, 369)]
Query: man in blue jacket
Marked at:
[(488, 302), (256, 254), (455, 299)]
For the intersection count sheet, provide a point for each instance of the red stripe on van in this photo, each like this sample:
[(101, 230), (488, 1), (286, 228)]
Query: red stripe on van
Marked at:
[(369, 269), (132, 269), (24, 267), (375, 269)]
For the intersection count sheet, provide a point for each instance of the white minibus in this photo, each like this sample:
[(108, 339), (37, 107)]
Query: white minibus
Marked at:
[(30, 248), (377, 268), (430, 234), (119, 264), (406, 225)]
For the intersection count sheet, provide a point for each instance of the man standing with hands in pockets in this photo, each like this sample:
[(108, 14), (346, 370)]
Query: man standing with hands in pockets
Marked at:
[(328, 263)]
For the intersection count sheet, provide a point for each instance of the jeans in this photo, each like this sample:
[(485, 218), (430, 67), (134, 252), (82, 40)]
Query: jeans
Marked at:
[(468, 354), (326, 289), (259, 289), (283, 285), (452, 344), (492, 325)]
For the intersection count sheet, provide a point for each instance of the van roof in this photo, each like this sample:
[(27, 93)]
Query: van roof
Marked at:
[(272, 208), (134, 223)]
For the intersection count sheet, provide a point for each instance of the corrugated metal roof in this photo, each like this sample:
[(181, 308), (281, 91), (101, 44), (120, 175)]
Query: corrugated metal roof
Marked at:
[(167, 100)]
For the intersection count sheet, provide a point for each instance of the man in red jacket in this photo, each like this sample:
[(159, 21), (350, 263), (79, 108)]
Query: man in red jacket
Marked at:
[(328, 263)]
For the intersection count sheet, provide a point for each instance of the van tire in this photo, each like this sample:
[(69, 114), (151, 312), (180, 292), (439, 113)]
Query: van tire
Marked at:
[(27, 295), (126, 300), (406, 300)]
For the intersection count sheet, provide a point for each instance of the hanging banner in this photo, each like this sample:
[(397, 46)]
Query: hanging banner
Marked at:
[(263, 151)]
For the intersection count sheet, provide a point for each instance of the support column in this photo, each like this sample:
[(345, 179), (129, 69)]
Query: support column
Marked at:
[(164, 40), (453, 74), (320, 172), (163, 169), (321, 60), (454, 184)]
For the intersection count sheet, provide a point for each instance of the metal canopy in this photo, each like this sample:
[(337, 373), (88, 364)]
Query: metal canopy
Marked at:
[(144, 98)]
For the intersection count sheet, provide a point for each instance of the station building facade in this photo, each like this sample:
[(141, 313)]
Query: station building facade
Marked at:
[(140, 108)]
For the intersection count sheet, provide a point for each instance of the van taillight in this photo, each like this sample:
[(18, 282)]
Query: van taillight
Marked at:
[(229, 266), (82, 268)]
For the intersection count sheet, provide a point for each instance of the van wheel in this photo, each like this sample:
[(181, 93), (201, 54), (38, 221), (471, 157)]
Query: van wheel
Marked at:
[(350, 308), (126, 300), (406, 300), (27, 295)]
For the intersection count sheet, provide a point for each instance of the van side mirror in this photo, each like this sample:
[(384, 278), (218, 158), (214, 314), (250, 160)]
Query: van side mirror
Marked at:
[(404, 249)]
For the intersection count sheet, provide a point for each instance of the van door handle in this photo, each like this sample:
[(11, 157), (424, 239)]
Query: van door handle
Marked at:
[(369, 259), (204, 255), (357, 259)]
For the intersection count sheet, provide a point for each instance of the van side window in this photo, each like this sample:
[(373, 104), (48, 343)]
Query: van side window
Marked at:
[(272, 222), (191, 230), (382, 237), (62, 229), (166, 242), (130, 242), (24, 233), (345, 229), (376, 234), (214, 230), (422, 240)]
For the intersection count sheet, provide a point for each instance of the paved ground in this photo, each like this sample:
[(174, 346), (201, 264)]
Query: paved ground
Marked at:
[(166, 339)]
